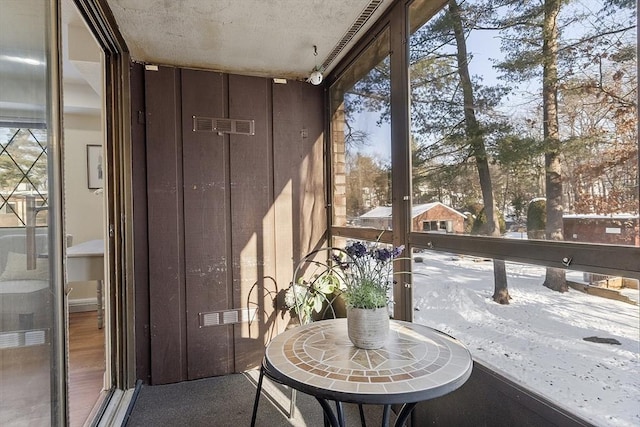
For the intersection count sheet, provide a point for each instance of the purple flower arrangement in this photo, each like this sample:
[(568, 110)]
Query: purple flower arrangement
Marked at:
[(367, 274)]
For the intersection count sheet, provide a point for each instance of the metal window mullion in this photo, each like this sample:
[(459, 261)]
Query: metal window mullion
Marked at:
[(55, 221), (589, 257), (400, 161)]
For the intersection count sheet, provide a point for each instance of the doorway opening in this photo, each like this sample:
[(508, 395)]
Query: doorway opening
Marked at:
[(83, 142), (55, 364)]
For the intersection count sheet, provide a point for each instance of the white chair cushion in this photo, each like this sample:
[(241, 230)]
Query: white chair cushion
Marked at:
[(16, 269)]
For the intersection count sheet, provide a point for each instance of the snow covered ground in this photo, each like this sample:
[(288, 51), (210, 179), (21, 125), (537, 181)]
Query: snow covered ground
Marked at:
[(537, 340)]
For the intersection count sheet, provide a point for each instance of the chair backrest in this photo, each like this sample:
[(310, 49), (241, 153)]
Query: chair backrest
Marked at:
[(314, 291)]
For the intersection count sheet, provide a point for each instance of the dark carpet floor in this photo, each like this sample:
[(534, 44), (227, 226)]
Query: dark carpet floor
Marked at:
[(228, 401)]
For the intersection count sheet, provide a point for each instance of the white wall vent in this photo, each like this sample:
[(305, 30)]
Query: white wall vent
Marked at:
[(219, 125), (227, 317)]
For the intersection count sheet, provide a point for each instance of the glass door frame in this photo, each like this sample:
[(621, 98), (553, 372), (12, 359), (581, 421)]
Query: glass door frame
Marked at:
[(120, 369), (119, 193), (59, 404)]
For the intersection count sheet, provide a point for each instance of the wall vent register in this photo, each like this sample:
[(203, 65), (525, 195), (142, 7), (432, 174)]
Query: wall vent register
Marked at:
[(227, 317), (221, 126)]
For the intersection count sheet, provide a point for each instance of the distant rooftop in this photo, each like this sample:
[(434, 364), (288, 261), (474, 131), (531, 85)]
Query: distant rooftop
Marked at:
[(385, 211)]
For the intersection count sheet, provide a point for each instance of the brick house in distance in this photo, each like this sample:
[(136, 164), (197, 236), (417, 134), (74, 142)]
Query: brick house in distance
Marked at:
[(614, 229), (433, 216)]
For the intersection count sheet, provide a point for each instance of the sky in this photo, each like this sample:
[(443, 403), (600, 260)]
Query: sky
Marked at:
[(482, 44), (538, 339), (484, 47)]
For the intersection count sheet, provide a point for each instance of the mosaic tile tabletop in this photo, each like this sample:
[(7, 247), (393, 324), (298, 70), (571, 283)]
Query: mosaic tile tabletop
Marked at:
[(416, 363)]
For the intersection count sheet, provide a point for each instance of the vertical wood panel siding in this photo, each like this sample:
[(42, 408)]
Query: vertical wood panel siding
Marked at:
[(227, 215), (251, 206), (141, 248), (298, 173), (166, 233), (209, 349), (299, 206)]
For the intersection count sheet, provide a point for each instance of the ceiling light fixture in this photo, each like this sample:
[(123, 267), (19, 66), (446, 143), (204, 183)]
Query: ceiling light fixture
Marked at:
[(316, 75), (315, 78)]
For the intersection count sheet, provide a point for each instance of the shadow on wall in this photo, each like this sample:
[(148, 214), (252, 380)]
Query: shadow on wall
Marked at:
[(228, 215)]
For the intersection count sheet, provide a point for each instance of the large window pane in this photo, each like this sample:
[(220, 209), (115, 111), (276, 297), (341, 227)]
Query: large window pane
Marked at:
[(553, 158), (27, 335), (576, 349), (361, 140), (529, 133)]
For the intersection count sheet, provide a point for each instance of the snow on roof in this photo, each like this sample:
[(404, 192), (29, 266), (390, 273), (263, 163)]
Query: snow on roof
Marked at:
[(378, 212), (385, 211), (422, 208)]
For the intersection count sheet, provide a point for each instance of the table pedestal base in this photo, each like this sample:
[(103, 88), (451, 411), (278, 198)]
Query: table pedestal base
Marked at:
[(337, 419)]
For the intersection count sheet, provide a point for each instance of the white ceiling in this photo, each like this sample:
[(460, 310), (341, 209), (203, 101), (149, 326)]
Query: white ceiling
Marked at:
[(271, 38)]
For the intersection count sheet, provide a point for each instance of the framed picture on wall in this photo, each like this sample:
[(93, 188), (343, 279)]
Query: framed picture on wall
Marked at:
[(95, 169)]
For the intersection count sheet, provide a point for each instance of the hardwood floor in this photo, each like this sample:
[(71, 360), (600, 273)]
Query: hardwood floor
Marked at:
[(86, 365)]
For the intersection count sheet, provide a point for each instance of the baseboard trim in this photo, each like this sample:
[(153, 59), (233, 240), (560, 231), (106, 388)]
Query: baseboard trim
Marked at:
[(82, 304)]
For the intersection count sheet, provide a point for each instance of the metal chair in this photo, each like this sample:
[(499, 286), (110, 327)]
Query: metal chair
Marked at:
[(306, 286)]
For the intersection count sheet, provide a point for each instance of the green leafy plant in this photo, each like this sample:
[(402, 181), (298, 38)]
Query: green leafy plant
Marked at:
[(312, 295), (361, 273)]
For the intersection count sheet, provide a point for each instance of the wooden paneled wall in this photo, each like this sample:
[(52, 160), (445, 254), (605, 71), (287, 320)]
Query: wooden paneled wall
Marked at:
[(227, 216)]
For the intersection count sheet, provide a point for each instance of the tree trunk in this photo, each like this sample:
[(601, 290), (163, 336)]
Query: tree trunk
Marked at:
[(555, 278), (500, 293), (478, 149)]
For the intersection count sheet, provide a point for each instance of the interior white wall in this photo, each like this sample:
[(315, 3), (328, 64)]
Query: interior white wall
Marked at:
[(84, 209)]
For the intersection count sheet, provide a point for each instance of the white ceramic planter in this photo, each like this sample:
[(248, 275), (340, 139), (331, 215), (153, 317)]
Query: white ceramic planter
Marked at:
[(368, 328)]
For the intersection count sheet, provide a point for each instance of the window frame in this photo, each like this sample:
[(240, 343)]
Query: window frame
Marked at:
[(589, 257)]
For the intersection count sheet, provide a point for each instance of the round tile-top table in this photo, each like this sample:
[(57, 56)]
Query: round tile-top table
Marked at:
[(417, 363)]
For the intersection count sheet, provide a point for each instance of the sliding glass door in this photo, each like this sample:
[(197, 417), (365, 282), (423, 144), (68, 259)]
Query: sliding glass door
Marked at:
[(31, 337)]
